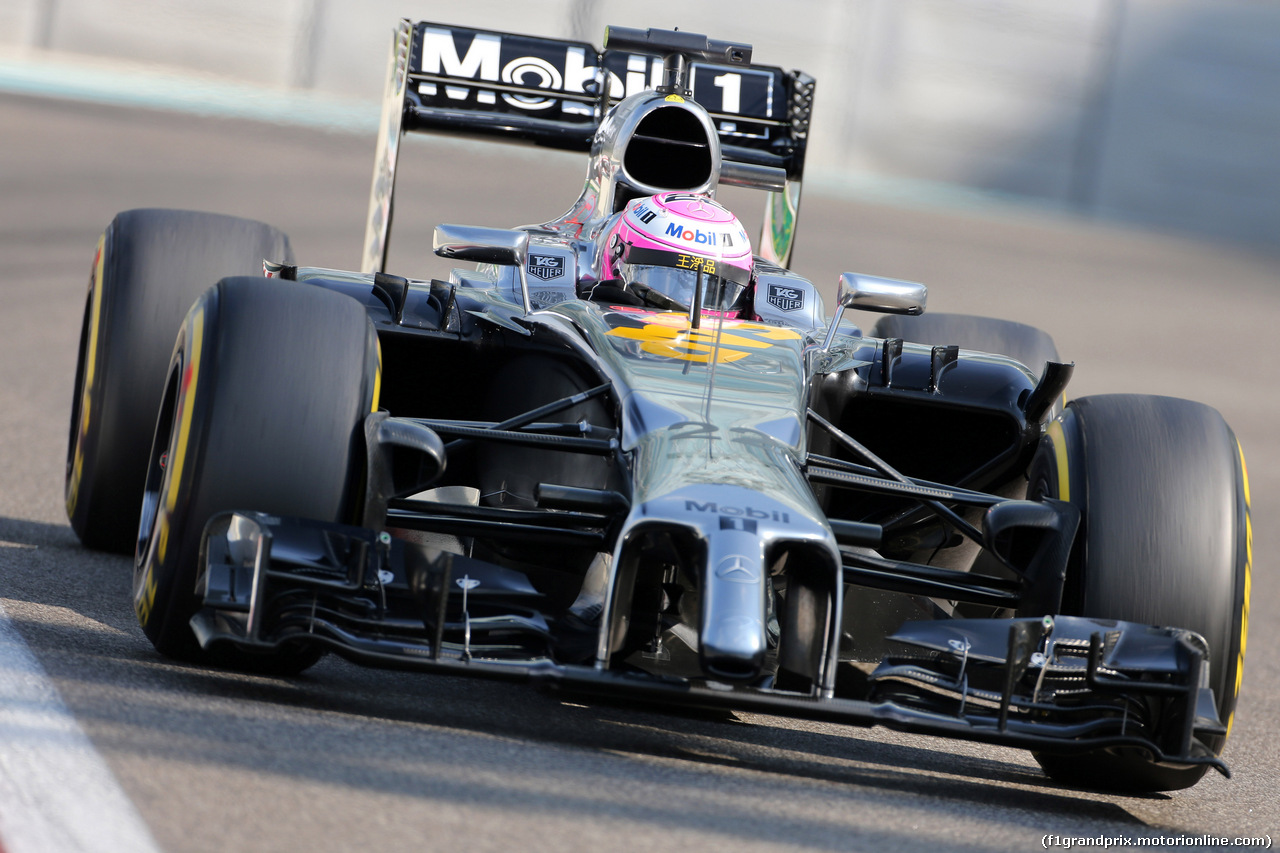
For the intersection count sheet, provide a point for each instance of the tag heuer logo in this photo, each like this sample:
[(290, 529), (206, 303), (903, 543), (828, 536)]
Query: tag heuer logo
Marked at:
[(546, 267), (785, 298)]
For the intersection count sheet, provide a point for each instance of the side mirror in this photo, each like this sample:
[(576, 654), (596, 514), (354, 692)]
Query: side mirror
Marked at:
[(886, 295), (873, 293), (482, 245), (486, 246)]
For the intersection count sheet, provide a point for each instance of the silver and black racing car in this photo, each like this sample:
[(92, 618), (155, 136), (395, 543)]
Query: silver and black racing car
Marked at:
[(626, 453)]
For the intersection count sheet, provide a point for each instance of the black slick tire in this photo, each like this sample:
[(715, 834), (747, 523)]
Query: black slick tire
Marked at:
[(1165, 540), (263, 408), (149, 267)]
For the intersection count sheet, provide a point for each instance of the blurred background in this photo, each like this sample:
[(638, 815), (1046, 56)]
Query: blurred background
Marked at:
[(1161, 113)]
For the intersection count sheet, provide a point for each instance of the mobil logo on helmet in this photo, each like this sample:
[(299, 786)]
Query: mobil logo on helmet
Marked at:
[(691, 235), (645, 214)]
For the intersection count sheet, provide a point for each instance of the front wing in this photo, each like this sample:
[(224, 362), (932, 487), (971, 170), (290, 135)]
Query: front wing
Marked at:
[(1054, 684)]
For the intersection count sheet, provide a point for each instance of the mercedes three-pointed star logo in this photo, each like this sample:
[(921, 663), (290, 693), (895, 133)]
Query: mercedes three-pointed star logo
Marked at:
[(738, 569)]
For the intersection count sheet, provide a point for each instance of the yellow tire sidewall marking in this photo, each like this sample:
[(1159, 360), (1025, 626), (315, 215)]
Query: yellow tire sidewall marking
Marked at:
[(1248, 581), (1059, 439), (90, 373), (377, 376), (185, 411), (145, 597)]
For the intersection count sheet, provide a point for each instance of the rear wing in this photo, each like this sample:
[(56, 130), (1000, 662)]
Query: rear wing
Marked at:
[(549, 92)]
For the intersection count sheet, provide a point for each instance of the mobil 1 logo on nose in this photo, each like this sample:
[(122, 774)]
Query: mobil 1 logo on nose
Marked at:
[(546, 267), (785, 298)]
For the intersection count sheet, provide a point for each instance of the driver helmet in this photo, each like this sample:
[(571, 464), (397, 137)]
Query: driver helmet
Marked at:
[(664, 245)]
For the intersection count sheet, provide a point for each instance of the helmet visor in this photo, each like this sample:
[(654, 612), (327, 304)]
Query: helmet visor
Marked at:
[(670, 280)]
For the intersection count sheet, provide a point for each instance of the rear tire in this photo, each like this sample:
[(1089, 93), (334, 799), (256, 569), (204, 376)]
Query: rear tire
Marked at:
[(1165, 540), (263, 409), (150, 266)]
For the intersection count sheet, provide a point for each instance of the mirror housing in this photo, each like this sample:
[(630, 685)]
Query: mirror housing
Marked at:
[(873, 293), (502, 246), (482, 245), (886, 295)]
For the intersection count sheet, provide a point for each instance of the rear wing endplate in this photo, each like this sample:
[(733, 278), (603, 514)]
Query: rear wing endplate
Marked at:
[(549, 92)]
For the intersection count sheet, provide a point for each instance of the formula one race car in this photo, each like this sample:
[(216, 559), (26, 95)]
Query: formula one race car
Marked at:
[(626, 455)]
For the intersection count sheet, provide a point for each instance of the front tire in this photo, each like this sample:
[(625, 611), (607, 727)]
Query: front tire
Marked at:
[(263, 408), (149, 267), (1165, 540)]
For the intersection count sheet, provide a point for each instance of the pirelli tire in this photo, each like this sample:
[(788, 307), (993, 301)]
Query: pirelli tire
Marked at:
[(1165, 539), (1029, 345), (150, 265), (263, 406)]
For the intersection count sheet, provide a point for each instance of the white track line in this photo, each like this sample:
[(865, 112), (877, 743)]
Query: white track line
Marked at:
[(56, 793)]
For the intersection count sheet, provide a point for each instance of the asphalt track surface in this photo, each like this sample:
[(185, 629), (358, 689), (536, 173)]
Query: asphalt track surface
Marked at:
[(345, 758)]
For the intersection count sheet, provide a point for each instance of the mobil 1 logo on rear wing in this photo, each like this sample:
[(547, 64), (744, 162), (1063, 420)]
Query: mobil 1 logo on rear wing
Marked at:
[(460, 69)]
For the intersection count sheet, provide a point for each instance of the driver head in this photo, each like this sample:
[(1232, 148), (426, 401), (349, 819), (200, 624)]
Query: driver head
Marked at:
[(663, 244)]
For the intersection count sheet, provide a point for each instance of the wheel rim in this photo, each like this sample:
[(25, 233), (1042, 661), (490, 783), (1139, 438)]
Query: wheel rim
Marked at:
[(157, 466)]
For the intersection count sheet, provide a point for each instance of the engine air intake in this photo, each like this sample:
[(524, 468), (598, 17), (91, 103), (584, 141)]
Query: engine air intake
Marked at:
[(669, 150)]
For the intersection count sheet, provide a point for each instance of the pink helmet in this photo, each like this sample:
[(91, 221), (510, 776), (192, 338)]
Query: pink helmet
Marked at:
[(663, 246)]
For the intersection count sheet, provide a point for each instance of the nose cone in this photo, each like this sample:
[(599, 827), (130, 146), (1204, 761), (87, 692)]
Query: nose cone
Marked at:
[(733, 643)]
